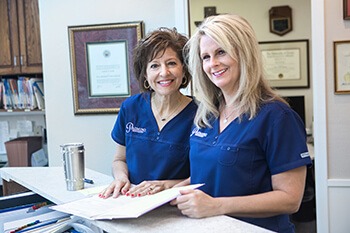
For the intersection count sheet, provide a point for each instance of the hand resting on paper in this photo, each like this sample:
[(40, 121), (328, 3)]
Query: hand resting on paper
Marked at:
[(196, 204), (151, 187), (123, 187), (118, 186)]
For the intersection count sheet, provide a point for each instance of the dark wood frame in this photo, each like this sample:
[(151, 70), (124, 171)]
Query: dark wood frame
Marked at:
[(79, 36), (346, 9)]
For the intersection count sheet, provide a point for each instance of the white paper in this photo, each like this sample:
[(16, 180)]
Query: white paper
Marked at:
[(25, 128), (108, 69), (46, 217), (282, 64), (39, 158), (121, 207), (4, 135)]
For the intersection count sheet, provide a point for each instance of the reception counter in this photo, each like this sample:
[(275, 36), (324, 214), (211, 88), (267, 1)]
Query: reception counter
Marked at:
[(49, 183)]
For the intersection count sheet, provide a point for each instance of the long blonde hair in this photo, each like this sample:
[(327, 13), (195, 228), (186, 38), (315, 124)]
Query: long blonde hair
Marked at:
[(236, 36)]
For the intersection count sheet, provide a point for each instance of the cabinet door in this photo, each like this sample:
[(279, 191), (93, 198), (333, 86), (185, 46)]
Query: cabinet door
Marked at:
[(9, 47), (29, 36)]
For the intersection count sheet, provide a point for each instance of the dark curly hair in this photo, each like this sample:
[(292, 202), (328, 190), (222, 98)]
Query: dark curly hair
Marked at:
[(156, 42)]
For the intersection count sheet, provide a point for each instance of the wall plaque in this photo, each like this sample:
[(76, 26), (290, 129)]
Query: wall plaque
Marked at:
[(280, 20)]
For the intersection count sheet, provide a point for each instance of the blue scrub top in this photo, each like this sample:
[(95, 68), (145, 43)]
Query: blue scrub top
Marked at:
[(240, 160), (152, 154)]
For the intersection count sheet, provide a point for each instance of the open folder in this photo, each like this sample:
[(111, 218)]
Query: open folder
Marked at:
[(94, 207)]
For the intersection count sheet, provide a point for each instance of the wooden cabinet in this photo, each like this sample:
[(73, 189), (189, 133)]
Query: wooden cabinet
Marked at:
[(20, 45)]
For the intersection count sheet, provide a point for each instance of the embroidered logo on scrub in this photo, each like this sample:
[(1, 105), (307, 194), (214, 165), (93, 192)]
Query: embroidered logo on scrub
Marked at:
[(197, 133), (131, 128), (305, 155)]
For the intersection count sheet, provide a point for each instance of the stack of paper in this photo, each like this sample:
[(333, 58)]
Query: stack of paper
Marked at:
[(12, 220), (122, 207)]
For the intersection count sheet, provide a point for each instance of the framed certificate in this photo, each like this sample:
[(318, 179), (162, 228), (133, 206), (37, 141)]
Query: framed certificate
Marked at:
[(286, 63), (101, 63), (341, 50)]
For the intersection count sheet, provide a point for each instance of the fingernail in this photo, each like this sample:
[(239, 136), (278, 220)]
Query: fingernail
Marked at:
[(132, 195), (149, 193), (139, 194), (127, 194), (123, 192), (104, 196), (99, 195)]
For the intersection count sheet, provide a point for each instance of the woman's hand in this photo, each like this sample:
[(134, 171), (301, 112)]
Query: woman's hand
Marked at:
[(117, 186), (147, 188), (196, 204), (152, 187)]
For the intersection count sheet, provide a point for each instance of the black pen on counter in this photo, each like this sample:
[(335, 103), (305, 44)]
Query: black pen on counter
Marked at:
[(88, 181)]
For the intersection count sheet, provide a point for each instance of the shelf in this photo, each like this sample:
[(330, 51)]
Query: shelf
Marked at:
[(21, 112)]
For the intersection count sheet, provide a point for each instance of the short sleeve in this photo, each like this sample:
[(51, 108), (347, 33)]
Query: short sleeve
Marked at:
[(286, 147), (118, 131)]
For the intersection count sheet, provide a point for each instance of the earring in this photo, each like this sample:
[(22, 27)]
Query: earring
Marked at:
[(145, 83), (184, 81)]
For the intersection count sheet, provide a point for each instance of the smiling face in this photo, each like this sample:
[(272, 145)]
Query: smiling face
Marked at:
[(219, 66), (165, 73)]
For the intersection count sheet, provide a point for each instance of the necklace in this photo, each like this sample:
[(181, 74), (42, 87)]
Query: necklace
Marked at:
[(226, 117), (165, 118)]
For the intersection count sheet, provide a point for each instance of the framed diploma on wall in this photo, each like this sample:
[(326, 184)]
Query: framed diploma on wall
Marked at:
[(286, 63), (101, 63), (341, 51)]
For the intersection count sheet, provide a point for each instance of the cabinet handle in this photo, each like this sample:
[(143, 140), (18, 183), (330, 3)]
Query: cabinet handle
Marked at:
[(21, 60), (15, 60)]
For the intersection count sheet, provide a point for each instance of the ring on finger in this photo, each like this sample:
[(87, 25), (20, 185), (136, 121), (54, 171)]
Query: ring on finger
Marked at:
[(150, 188)]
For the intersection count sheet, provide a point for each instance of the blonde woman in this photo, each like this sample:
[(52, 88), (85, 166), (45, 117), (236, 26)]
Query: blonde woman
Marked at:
[(248, 146)]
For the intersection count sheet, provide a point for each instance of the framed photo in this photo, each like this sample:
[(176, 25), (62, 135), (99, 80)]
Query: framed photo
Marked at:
[(346, 9), (101, 63), (286, 63), (341, 50)]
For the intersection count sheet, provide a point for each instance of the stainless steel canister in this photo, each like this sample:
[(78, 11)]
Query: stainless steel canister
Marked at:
[(73, 164)]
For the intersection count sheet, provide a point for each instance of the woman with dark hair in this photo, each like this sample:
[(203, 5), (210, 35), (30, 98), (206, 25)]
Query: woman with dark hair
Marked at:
[(153, 128)]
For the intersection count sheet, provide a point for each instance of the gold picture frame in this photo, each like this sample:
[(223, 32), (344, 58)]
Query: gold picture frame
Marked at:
[(101, 61)]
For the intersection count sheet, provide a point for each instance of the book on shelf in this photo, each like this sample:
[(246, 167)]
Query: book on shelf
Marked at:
[(22, 93), (38, 88), (96, 208), (7, 95)]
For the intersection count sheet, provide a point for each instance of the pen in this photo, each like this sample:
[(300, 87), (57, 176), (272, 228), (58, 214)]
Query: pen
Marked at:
[(88, 181), (27, 225), (37, 206)]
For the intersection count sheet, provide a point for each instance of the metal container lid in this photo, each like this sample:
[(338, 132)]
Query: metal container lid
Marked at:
[(73, 146)]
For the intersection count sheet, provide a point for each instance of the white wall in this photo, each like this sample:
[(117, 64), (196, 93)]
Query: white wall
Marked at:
[(338, 126), (332, 128), (93, 130), (258, 17)]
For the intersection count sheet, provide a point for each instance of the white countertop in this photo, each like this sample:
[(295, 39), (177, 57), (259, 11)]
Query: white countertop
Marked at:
[(49, 183)]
